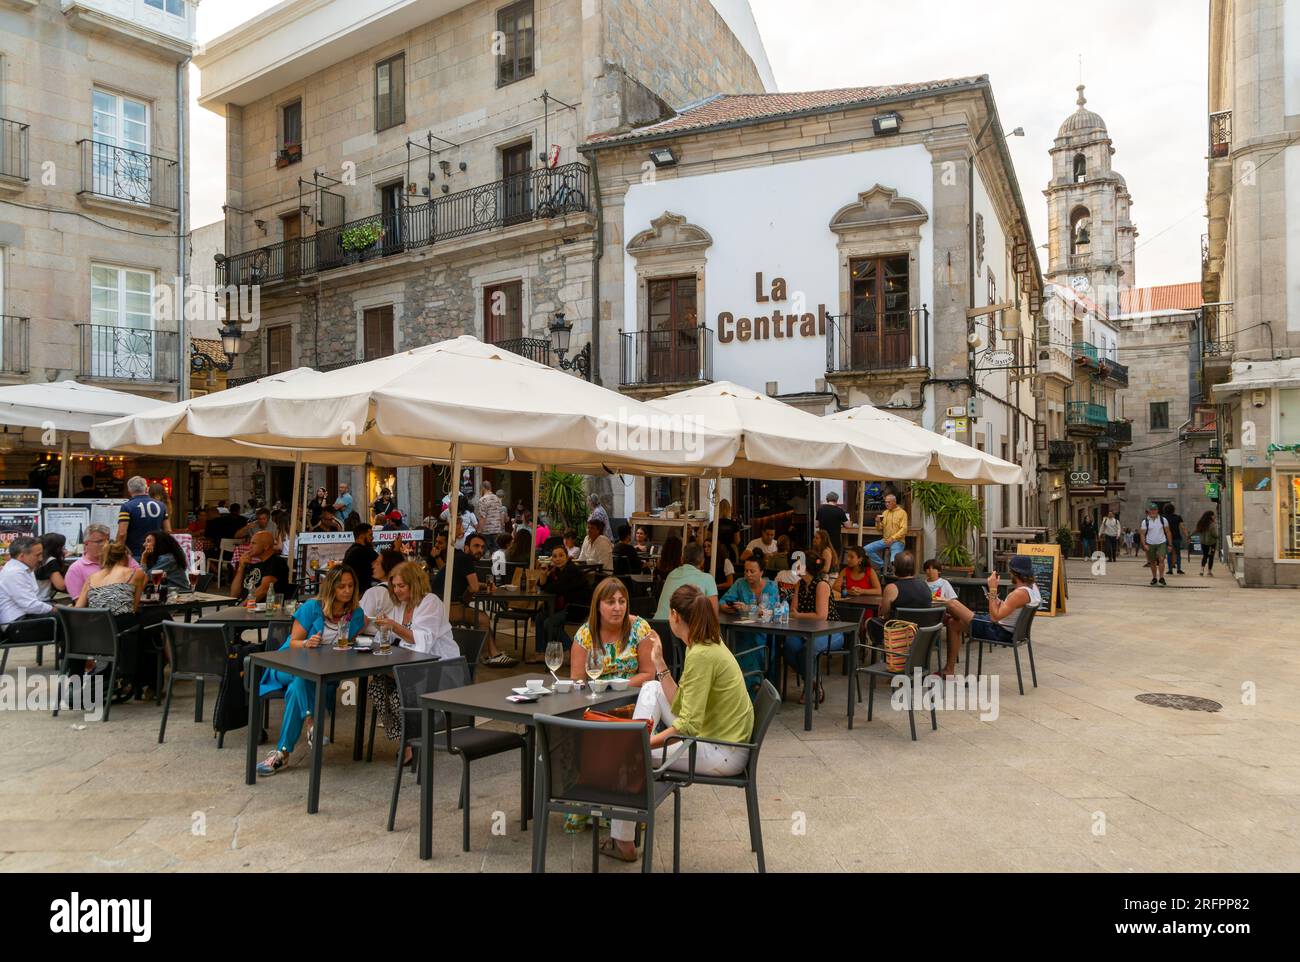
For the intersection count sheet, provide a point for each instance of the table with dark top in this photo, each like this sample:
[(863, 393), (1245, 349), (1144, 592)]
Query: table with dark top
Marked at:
[(807, 628), (187, 603), (319, 665), (488, 700), (239, 619)]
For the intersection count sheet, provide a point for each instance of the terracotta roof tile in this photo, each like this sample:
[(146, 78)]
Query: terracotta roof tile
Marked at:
[(740, 108), (1168, 297), (209, 348)]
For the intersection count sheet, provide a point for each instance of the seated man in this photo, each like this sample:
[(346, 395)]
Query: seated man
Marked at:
[(261, 570), (689, 572), (19, 594), (596, 549), (464, 582), (261, 522), (1000, 623), (907, 590), (761, 547), (627, 560), (893, 533)]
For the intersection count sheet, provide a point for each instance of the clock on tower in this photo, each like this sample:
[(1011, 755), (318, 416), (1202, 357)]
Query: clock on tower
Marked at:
[(1080, 283)]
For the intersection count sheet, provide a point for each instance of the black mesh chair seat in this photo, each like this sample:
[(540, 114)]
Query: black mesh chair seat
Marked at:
[(92, 633), (1019, 636), (467, 742), (197, 652), (476, 743)]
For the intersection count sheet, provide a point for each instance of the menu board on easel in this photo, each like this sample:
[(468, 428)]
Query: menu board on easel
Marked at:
[(1049, 575)]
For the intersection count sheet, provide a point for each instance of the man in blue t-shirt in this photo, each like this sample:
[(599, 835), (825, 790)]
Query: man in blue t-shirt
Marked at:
[(140, 516)]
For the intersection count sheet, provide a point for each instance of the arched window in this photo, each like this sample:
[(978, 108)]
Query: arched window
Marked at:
[(1079, 230), (1080, 168)]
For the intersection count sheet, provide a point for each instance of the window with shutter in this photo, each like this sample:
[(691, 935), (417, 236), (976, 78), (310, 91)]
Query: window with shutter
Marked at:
[(390, 92), (279, 349), (503, 312), (515, 26), (378, 334)]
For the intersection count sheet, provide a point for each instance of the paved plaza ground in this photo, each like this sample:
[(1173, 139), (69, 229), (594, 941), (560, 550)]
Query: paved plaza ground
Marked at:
[(1074, 776)]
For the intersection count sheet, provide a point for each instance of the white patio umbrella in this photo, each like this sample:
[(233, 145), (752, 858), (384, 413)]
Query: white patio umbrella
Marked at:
[(68, 408), (459, 400)]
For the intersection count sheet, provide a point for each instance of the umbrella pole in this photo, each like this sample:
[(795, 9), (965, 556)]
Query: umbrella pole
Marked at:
[(453, 514), (862, 512), (63, 465), (532, 547), (294, 507), (717, 490)]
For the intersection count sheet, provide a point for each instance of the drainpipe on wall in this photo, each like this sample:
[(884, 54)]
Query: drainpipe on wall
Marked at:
[(595, 274), (182, 349)]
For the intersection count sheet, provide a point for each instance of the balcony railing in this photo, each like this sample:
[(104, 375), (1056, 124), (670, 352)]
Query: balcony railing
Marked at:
[(1118, 434), (1060, 454), (128, 353), (13, 149), (128, 176), (1086, 353), (1114, 370), (1218, 331), (536, 195), (1205, 422), (666, 357), (534, 348), (1084, 414), (1080, 262), (1221, 133), (893, 341), (14, 344)]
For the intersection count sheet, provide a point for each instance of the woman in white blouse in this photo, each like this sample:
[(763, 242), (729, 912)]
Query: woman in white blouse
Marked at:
[(417, 620), (378, 599)]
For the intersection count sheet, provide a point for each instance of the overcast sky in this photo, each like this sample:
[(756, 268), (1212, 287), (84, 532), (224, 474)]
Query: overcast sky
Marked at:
[(1144, 64)]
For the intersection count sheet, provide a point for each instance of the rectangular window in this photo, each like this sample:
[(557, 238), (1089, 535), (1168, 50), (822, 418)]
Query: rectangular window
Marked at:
[(503, 312), (1159, 415), (120, 342), (390, 92), (291, 127), (120, 161), (1288, 407), (175, 7), (515, 33), (378, 332), (279, 349)]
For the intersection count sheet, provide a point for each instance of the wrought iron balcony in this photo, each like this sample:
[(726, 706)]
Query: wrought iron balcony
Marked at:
[(129, 176), (666, 357), (14, 344), (1085, 353), (1060, 454), (1118, 434), (1220, 133), (536, 195), (127, 353), (1085, 415), (1114, 370), (1218, 332), (893, 341), (534, 348), (13, 149)]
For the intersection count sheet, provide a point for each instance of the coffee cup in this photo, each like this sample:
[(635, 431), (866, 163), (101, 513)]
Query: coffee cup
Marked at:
[(535, 684)]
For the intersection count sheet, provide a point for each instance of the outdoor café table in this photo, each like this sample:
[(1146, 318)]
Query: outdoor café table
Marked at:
[(808, 629), (238, 619), (187, 603), (503, 594), (488, 700), (319, 666)]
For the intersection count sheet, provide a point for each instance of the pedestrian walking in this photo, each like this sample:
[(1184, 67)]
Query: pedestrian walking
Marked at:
[(1177, 537), (1110, 532), (1208, 529), (1088, 535), (1155, 541)]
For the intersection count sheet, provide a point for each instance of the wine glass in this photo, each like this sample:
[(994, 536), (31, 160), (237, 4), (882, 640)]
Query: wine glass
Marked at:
[(554, 658), (595, 667)]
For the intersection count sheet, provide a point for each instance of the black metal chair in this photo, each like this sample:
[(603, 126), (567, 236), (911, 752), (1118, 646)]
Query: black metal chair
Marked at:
[(515, 612), (918, 659), (643, 606), (205, 580), (765, 708), (454, 734), (196, 652), (601, 770), (92, 633), (29, 633), (1019, 636)]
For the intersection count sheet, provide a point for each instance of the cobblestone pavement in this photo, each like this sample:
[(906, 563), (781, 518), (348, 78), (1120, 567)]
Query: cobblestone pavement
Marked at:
[(1074, 775)]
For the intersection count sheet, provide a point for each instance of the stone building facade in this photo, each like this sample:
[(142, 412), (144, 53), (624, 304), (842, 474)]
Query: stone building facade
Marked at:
[(451, 131), (831, 248), (1250, 332), (1159, 338)]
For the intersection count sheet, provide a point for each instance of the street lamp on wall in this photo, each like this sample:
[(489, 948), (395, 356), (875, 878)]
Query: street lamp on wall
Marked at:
[(561, 332), (231, 345)]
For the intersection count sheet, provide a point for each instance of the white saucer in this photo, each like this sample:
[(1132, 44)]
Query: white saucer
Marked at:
[(531, 691)]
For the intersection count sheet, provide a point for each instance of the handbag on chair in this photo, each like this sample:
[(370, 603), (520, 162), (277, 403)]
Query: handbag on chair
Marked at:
[(899, 636)]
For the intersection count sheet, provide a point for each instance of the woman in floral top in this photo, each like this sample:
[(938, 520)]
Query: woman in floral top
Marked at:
[(617, 633)]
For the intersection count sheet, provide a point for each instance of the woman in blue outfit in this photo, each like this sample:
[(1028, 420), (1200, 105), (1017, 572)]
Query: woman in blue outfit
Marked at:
[(333, 615)]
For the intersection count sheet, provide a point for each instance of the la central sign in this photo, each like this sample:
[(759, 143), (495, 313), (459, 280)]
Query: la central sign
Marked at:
[(778, 324)]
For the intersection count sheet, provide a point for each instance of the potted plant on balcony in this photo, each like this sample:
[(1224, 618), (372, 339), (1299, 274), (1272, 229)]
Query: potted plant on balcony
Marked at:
[(290, 154), (357, 242), (957, 516)]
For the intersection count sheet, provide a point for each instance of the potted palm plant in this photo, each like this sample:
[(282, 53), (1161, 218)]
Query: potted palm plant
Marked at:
[(563, 499), (957, 516)]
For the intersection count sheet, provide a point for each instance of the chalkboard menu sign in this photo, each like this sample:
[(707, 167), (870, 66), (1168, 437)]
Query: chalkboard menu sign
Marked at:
[(1049, 574)]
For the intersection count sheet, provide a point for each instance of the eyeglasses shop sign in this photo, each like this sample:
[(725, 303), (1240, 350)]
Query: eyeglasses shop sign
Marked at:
[(778, 323)]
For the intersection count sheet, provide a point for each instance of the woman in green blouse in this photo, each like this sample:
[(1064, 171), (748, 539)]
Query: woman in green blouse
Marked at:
[(710, 702)]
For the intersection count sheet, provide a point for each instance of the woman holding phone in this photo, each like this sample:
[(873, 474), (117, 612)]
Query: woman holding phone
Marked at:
[(335, 615)]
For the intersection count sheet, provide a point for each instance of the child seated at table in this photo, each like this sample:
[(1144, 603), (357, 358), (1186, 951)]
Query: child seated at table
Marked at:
[(940, 589)]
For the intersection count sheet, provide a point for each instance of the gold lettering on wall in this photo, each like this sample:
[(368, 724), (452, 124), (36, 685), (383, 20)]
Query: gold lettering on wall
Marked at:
[(763, 327)]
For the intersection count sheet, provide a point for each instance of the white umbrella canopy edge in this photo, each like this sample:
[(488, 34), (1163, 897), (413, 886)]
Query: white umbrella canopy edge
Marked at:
[(66, 405), (954, 462)]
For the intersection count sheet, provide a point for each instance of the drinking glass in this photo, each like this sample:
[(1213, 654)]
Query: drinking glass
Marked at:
[(554, 658), (385, 638), (595, 667), (194, 581)]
